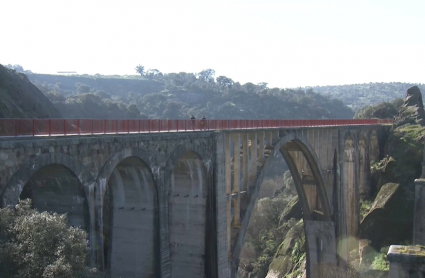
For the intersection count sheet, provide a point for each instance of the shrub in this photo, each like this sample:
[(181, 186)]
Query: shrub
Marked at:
[(40, 244)]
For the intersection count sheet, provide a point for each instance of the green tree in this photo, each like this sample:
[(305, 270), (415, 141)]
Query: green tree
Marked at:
[(133, 111), (34, 244), (384, 110), (262, 85), (207, 75), (152, 73), (225, 82), (82, 88), (140, 69)]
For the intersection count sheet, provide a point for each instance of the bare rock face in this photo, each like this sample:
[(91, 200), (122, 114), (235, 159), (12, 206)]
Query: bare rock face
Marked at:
[(390, 217), (412, 111)]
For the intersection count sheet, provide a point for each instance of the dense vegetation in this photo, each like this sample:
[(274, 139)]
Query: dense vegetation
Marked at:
[(266, 233), (179, 95), (34, 244), (384, 110)]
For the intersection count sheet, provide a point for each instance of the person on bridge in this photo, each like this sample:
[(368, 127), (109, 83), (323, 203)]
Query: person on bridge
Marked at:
[(192, 122), (203, 122)]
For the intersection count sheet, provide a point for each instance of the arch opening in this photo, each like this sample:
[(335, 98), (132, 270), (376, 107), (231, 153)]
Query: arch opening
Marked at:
[(130, 221), (190, 218), (55, 188), (298, 168)]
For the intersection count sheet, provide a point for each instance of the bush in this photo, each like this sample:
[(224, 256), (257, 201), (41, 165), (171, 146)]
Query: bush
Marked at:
[(34, 244)]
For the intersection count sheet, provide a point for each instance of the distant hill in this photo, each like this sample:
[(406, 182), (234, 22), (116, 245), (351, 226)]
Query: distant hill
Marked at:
[(358, 96), (19, 98), (179, 95), (108, 84)]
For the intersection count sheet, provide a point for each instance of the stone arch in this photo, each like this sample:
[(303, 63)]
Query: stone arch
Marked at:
[(108, 168), (298, 141), (349, 182), (129, 219), (14, 187), (202, 153), (55, 188), (191, 209), (307, 150)]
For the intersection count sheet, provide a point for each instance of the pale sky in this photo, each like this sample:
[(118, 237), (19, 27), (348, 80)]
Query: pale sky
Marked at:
[(286, 43)]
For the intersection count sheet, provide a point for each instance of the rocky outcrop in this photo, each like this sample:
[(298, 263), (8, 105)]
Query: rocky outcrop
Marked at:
[(412, 111), (390, 218), (290, 256), (19, 98), (292, 210), (382, 172)]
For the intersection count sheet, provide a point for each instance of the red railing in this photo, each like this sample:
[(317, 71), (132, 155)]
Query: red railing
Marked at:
[(55, 127)]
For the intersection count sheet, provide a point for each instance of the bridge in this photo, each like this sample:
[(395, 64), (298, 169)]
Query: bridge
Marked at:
[(173, 198)]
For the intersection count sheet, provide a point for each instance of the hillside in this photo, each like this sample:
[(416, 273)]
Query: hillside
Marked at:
[(358, 96), (179, 95), (19, 98)]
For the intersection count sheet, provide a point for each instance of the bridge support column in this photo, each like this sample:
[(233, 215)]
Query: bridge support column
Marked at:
[(253, 157), (364, 170), (260, 138), (245, 155), (228, 178), (91, 198), (419, 213), (269, 139), (321, 245), (236, 181)]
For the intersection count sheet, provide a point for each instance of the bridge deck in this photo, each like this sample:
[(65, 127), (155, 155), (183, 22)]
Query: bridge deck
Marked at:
[(58, 127)]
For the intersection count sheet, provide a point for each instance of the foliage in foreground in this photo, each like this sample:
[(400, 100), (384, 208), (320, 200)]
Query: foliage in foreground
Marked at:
[(40, 244)]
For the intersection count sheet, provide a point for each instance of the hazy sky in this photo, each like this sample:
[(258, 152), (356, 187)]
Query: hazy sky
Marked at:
[(285, 43)]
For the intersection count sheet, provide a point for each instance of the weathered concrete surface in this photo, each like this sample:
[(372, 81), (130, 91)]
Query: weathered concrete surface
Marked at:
[(127, 187), (419, 211), (187, 201), (321, 244), (406, 261), (130, 221)]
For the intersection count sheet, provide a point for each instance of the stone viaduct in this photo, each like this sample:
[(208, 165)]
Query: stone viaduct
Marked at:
[(178, 204)]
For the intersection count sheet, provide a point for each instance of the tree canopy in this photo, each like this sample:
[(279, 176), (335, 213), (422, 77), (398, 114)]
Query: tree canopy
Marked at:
[(34, 244), (179, 95), (140, 69)]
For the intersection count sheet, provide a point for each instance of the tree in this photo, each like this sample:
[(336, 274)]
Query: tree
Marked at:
[(151, 73), (140, 69), (225, 82), (17, 68), (263, 85), (82, 88), (172, 110), (207, 75), (133, 110), (34, 244), (384, 110)]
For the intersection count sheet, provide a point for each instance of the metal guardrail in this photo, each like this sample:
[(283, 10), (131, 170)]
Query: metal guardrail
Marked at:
[(58, 127)]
